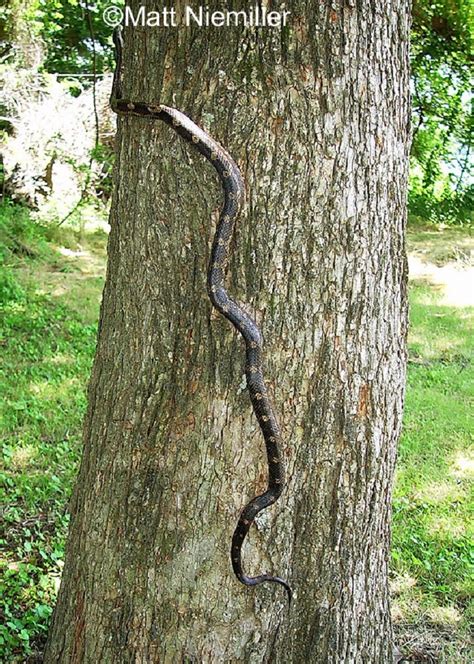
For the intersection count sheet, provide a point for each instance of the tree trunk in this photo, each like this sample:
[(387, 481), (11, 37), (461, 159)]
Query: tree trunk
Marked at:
[(316, 115)]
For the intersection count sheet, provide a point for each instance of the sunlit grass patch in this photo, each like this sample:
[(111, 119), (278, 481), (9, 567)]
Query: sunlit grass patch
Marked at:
[(462, 466), (22, 457), (432, 554), (438, 331)]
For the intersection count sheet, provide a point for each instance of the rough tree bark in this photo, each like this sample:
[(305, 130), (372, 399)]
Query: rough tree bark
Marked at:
[(316, 115)]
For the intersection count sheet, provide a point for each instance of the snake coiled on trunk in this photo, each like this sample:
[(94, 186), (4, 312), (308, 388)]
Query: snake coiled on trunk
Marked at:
[(233, 187)]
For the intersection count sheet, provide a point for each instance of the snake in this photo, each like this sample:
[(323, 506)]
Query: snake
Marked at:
[(233, 188)]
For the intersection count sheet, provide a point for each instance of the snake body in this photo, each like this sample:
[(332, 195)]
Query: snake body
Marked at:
[(233, 187)]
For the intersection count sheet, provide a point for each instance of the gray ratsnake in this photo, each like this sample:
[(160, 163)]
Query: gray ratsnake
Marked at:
[(233, 186)]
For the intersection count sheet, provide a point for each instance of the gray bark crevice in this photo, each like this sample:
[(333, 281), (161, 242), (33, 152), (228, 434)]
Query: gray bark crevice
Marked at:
[(317, 118)]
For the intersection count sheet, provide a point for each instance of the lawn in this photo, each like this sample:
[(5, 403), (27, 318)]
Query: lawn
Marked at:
[(48, 313), (49, 296)]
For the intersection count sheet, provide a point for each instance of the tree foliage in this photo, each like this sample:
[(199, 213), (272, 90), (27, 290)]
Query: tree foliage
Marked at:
[(72, 31), (68, 27), (72, 38), (442, 38)]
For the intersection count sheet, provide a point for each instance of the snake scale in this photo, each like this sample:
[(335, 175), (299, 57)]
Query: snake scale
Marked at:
[(233, 186)]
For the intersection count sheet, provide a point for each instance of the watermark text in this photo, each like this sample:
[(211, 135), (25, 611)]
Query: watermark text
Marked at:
[(168, 17)]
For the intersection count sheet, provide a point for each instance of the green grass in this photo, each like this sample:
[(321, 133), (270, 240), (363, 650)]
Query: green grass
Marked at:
[(432, 553), (47, 349), (49, 293)]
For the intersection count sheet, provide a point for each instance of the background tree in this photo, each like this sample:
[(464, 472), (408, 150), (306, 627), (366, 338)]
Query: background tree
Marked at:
[(317, 117)]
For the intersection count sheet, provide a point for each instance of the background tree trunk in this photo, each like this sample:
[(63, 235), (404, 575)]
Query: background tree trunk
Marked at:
[(316, 115)]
